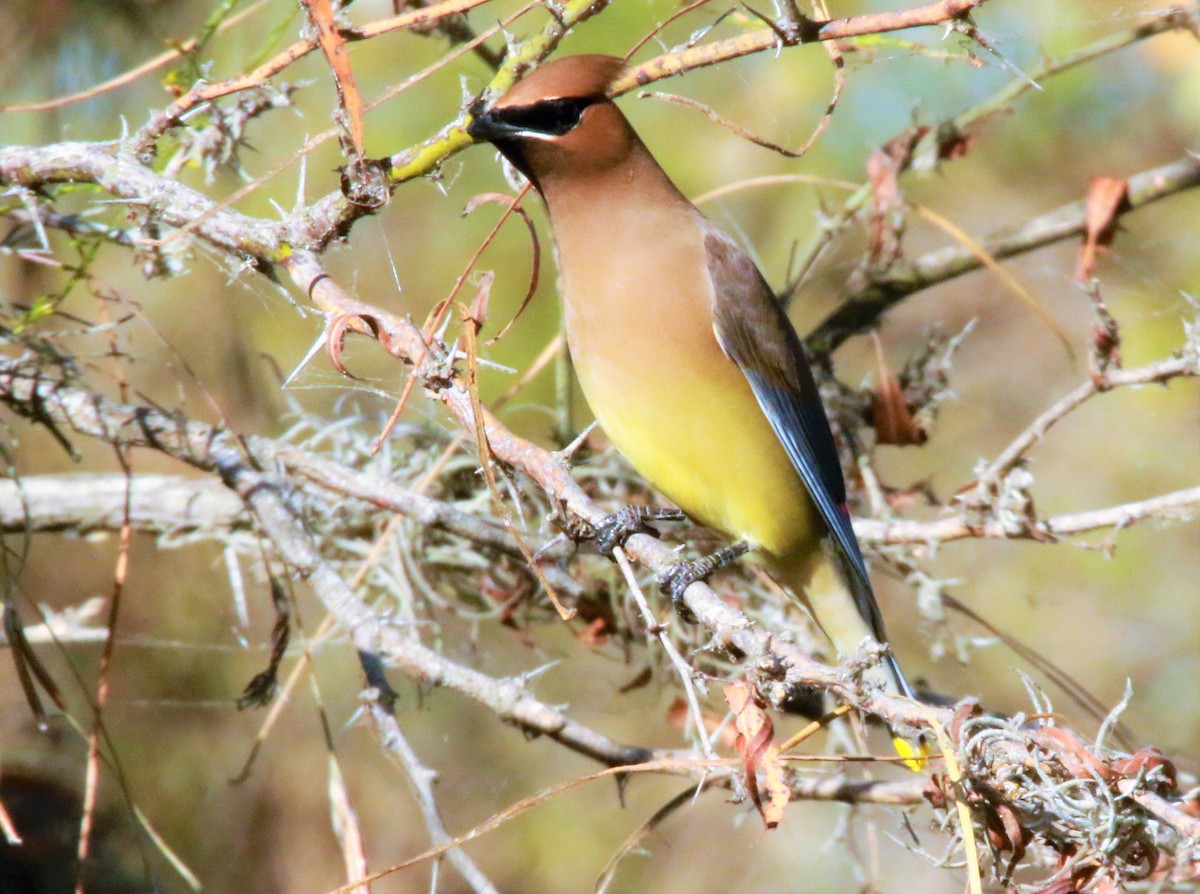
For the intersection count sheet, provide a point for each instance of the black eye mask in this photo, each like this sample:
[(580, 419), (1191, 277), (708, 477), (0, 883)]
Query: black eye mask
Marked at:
[(552, 117)]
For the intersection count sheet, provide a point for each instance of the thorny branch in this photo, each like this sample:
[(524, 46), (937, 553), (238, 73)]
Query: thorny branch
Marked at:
[(776, 665), (787, 32), (865, 305), (119, 167), (178, 508), (240, 462), (1187, 363), (266, 494), (931, 145), (422, 779), (269, 477)]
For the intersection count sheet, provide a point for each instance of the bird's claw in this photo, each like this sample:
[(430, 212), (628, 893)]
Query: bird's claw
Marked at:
[(682, 575), (615, 529)]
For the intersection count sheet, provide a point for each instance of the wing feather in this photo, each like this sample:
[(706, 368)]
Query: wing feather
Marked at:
[(755, 333)]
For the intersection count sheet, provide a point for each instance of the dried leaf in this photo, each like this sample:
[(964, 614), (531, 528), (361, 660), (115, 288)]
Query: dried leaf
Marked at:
[(642, 678), (777, 788), (263, 687), (677, 714), (1191, 804), (1016, 836), (935, 791), (30, 669), (600, 624), (595, 634), (1146, 760), (883, 172), (954, 145), (1106, 337), (965, 710), (1075, 757), (894, 423), (1062, 886), (1107, 198), (507, 591), (755, 743)]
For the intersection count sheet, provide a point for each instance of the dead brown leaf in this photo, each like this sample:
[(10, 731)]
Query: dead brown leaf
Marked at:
[(335, 337), (1062, 886), (756, 744), (1107, 198), (678, 715), (1007, 835), (894, 423), (1144, 760), (1073, 754), (954, 145), (595, 633), (883, 172)]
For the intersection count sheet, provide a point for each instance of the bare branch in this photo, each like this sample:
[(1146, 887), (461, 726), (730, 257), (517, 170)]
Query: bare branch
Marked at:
[(1186, 364), (1177, 505), (246, 238), (227, 455), (421, 779), (945, 139), (670, 64), (863, 308), (201, 93), (164, 504), (88, 504)]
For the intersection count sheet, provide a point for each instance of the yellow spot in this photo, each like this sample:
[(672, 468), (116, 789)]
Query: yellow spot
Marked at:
[(915, 758)]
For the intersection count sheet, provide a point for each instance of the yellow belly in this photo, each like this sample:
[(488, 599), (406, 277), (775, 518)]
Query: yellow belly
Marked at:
[(681, 412), (713, 454)]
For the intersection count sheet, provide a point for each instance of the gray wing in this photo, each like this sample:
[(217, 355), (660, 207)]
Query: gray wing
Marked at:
[(755, 333)]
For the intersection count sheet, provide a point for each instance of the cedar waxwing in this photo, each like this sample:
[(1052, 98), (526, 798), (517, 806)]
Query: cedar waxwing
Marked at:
[(686, 357)]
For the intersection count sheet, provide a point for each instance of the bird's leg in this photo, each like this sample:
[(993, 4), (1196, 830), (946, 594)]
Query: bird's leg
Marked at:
[(682, 575), (615, 529)]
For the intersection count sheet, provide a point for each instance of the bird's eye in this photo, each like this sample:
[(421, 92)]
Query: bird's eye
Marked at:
[(553, 117)]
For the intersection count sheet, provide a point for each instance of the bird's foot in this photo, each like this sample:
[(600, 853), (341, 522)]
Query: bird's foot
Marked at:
[(615, 529), (682, 575)]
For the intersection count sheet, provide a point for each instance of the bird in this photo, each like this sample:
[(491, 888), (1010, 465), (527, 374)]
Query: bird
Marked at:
[(685, 355)]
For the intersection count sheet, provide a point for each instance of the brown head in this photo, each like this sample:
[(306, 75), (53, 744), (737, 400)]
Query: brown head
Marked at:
[(560, 121)]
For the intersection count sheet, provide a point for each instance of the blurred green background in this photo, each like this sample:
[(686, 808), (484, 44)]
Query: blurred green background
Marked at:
[(1132, 615)]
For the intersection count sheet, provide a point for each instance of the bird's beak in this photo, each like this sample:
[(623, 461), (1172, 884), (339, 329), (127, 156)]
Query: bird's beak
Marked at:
[(487, 127)]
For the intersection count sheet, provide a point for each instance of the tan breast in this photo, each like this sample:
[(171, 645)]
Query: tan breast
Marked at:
[(638, 310)]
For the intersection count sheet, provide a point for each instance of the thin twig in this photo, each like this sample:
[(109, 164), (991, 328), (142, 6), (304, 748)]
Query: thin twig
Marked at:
[(421, 779), (662, 633), (866, 304), (690, 58), (225, 454), (1177, 505)]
